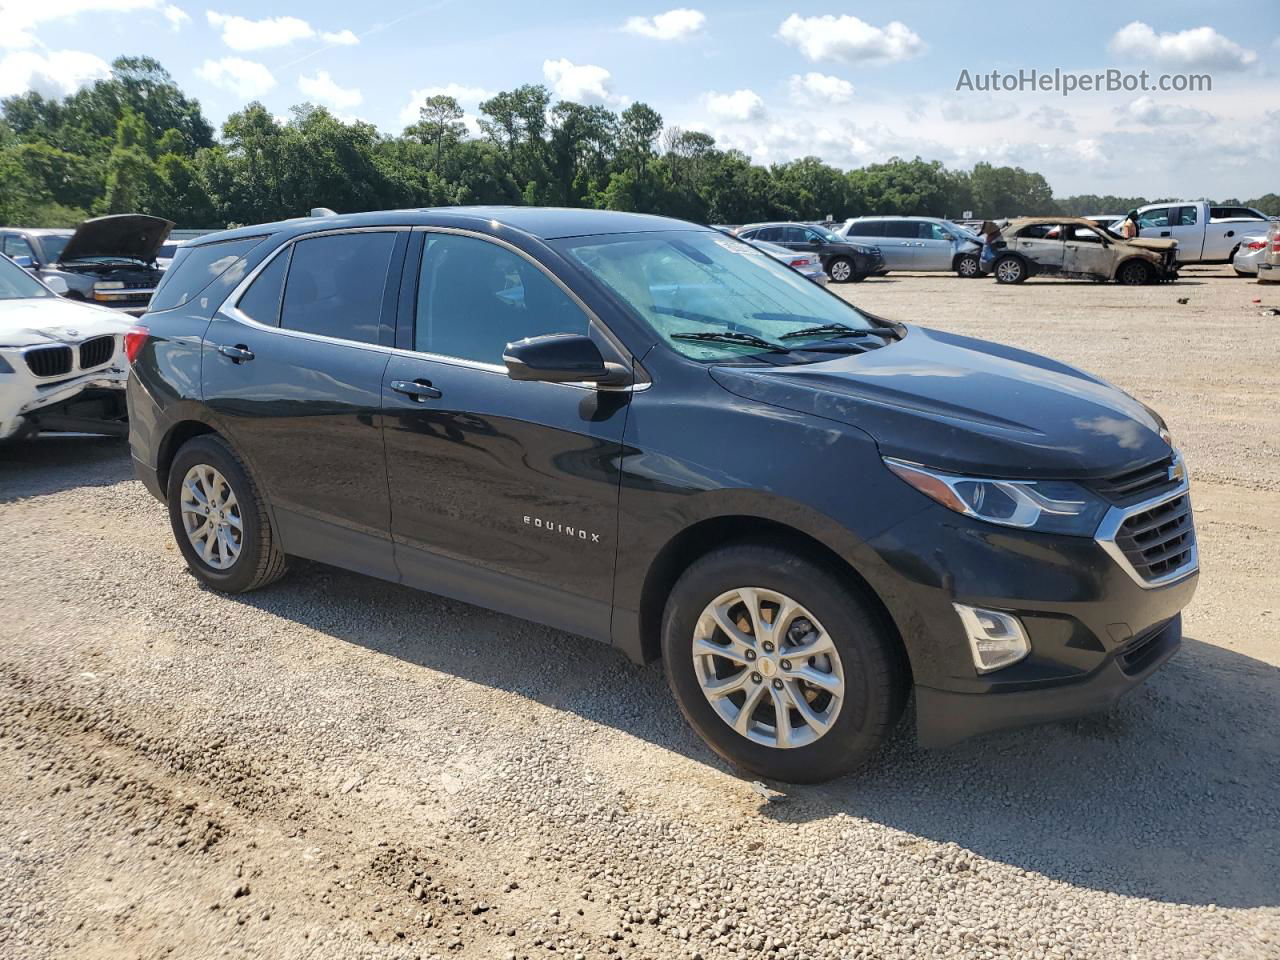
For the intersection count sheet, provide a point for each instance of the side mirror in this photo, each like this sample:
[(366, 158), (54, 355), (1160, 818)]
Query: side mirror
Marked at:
[(562, 358), (57, 285), (25, 262)]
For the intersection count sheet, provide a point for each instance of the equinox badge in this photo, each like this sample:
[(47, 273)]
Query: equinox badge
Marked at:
[(552, 527)]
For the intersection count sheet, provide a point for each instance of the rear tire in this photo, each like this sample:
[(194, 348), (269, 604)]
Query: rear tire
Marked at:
[(967, 266), (245, 554), (823, 738), (1009, 269)]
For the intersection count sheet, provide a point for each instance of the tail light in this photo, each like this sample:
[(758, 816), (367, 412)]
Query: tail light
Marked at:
[(802, 262), (134, 340), (1256, 245)]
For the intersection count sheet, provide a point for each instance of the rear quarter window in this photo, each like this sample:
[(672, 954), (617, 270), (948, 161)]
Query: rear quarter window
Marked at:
[(194, 268)]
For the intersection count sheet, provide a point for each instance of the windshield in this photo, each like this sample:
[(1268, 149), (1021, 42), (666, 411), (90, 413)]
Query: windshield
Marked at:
[(53, 244), (17, 284), (703, 284)]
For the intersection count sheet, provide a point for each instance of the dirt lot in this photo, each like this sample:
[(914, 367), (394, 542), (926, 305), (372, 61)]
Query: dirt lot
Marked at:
[(336, 767)]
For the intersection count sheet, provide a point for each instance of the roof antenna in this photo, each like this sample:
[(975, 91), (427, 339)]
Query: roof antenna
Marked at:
[(321, 212)]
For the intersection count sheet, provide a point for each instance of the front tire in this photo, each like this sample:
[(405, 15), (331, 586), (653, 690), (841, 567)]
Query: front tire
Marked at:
[(1135, 273), (219, 519), (840, 270), (778, 666), (967, 266)]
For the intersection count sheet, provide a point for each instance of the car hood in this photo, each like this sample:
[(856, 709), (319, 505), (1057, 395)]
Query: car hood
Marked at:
[(1151, 243), (968, 406), (25, 323), (120, 235)]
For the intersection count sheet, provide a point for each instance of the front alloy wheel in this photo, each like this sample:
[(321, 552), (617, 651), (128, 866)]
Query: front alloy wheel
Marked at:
[(1010, 270), (841, 270), (768, 668)]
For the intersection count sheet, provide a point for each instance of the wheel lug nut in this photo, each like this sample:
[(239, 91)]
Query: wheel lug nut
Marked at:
[(777, 684), (756, 678), (751, 654), (786, 664), (768, 647)]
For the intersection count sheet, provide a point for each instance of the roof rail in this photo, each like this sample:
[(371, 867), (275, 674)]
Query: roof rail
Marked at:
[(321, 212)]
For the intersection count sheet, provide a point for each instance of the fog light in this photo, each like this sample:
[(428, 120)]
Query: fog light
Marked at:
[(996, 639)]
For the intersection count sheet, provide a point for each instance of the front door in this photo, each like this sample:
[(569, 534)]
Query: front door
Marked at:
[(1085, 253), (503, 493), (936, 250), (294, 369)]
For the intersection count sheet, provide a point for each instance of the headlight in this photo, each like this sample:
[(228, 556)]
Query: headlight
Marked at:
[(108, 285), (1046, 506)]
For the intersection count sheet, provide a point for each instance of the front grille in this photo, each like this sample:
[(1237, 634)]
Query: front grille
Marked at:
[(49, 361), (95, 352), (1134, 485), (1159, 541)]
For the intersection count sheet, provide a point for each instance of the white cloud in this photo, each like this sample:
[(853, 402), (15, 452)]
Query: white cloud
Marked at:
[(1201, 47), (342, 38), (820, 87), (245, 78), (19, 19), (239, 33), (176, 16), (53, 74), (1052, 118), (581, 82), (978, 110), (1146, 111), (847, 39), (678, 24), (322, 88), (466, 97), (740, 106)]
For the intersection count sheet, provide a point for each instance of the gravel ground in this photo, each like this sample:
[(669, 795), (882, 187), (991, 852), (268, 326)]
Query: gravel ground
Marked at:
[(336, 767)]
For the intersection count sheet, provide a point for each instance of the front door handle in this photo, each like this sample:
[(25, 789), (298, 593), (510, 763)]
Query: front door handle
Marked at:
[(238, 353), (419, 390)]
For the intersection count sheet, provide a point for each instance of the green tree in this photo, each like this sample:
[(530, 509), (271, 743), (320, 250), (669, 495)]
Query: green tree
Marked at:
[(439, 124)]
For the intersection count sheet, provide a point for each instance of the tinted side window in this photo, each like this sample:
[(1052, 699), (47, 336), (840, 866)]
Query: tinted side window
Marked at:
[(17, 246), (194, 268), (902, 229), (933, 231), (1184, 216), (867, 228), (261, 302), (1158, 217), (335, 286), (769, 234), (475, 297)]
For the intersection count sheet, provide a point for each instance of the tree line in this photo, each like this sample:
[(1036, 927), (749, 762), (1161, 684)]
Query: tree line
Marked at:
[(134, 142)]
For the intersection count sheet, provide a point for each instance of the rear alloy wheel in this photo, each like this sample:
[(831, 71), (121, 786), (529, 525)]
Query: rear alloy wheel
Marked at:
[(967, 266), (779, 666), (1010, 270), (840, 270), (1135, 273), (219, 520)]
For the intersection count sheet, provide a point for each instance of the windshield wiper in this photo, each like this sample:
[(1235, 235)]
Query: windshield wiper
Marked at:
[(730, 336), (839, 328)]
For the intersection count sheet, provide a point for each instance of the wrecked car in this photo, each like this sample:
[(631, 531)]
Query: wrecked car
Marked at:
[(62, 364), (1076, 248), (108, 260)]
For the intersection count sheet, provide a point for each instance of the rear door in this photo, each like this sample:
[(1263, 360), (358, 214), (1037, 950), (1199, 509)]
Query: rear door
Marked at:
[(293, 369), (503, 493), (899, 246), (1042, 244)]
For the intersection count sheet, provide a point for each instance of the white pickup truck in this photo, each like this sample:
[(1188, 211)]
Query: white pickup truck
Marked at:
[(1206, 233)]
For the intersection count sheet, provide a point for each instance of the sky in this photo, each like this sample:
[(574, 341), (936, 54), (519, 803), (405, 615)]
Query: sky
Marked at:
[(852, 83)]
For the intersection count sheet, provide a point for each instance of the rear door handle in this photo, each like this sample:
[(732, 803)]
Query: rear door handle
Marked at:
[(237, 354), (419, 390)]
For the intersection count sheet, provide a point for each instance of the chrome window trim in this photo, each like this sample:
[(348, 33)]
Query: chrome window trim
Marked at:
[(231, 310), (1115, 518)]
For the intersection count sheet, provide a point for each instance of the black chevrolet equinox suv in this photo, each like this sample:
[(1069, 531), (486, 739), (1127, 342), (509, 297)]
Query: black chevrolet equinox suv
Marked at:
[(643, 431)]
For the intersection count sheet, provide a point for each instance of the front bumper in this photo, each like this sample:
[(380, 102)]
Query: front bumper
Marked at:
[(946, 717), (24, 397), (1096, 627)]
